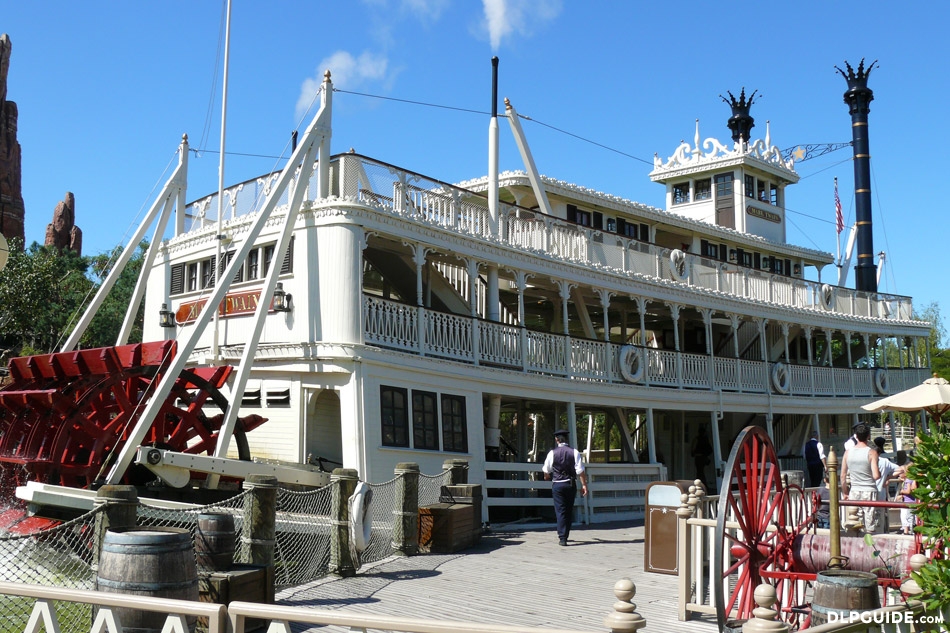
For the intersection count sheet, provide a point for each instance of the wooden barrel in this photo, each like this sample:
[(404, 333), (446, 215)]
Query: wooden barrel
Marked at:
[(839, 592), (215, 541), (155, 562)]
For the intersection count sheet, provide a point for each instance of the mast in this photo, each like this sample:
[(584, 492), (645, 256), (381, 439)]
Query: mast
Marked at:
[(218, 260), (858, 97)]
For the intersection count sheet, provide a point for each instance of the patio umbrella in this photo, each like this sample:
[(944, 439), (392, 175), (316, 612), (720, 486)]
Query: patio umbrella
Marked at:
[(933, 396)]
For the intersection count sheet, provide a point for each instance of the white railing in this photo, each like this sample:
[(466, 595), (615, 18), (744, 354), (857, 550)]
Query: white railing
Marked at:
[(615, 491), (393, 190), (395, 325), (44, 610)]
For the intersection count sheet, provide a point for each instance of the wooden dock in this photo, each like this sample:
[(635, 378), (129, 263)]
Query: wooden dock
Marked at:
[(516, 575)]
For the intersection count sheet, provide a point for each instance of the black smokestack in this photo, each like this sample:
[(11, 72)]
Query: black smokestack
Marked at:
[(741, 122), (494, 87), (858, 97)]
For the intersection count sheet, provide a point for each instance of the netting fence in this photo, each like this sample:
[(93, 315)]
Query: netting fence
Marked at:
[(64, 556)]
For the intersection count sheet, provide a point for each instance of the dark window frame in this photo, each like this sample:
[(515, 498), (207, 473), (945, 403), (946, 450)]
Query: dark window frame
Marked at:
[(454, 424), (425, 420), (680, 193), (394, 416), (702, 189)]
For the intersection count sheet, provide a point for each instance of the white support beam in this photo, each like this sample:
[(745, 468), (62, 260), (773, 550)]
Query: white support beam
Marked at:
[(187, 344)]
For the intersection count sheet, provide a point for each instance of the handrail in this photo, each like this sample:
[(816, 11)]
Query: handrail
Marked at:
[(216, 613), (238, 612)]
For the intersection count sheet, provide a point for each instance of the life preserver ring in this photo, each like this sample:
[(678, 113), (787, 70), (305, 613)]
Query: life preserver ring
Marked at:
[(678, 265), (880, 381), (631, 363), (826, 296), (781, 380), (361, 523)]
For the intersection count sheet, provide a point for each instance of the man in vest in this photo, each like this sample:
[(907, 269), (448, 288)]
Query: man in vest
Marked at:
[(815, 460), (563, 466)]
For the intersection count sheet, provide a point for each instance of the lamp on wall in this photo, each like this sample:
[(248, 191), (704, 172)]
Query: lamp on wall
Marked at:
[(166, 318), (282, 301)]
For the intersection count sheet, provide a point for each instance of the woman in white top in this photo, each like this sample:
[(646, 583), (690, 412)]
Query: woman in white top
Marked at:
[(860, 462)]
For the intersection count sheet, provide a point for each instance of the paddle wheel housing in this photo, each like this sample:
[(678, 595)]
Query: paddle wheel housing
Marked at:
[(766, 532), (64, 416)]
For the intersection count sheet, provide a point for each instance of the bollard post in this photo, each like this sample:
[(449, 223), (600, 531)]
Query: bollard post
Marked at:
[(764, 618), (458, 471), (406, 513), (624, 618), (121, 505), (258, 533), (342, 552), (834, 510)]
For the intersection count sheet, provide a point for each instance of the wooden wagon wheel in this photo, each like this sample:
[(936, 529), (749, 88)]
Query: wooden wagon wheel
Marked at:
[(750, 497)]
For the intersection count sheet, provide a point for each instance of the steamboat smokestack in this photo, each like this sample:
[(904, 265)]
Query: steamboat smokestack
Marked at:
[(741, 122), (858, 97)]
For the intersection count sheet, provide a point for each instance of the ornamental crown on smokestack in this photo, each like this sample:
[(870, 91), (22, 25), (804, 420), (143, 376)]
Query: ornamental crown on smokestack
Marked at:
[(741, 122)]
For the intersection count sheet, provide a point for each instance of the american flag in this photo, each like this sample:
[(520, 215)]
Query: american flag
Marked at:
[(839, 219)]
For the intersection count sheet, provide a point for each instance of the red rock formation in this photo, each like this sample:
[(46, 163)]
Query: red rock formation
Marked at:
[(62, 232), (12, 211)]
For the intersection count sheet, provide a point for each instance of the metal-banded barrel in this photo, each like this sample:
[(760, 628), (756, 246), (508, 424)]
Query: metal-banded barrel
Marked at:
[(215, 541), (841, 592), (155, 562), (811, 553)]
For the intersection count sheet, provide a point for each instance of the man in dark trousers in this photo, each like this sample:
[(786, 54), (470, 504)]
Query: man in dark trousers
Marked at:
[(563, 466), (815, 460)]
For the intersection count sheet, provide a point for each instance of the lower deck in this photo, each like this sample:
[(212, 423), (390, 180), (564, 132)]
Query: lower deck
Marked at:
[(514, 576)]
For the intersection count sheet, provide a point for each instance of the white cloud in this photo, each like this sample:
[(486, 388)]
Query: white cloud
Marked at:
[(507, 17), (426, 10), (346, 71)]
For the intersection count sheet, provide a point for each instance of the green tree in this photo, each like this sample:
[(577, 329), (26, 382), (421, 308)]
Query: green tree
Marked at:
[(41, 290), (931, 471), (43, 293), (933, 344), (105, 326)]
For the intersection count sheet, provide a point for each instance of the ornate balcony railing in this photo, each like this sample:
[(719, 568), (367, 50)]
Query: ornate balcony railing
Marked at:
[(395, 191), (470, 340)]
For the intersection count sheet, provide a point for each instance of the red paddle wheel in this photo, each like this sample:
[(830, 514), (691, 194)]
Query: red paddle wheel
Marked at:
[(65, 416)]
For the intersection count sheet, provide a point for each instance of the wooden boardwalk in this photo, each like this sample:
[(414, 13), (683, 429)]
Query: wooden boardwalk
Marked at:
[(515, 576)]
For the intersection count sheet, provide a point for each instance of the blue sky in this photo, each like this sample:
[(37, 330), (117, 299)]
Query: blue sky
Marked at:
[(106, 89)]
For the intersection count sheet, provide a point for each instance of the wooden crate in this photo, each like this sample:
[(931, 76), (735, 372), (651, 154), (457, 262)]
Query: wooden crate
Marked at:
[(447, 527), (247, 583)]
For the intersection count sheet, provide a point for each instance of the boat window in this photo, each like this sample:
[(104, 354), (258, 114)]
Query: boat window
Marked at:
[(425, 421), (192, 276), (773, 194), (395, 416), (703, 189), (763, 194), (750, 187), (268, 256), (454, 428), (681, 193), (253, 264)]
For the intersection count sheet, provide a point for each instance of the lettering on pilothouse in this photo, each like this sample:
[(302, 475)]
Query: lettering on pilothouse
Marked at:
[(765, 215), (233, 305)]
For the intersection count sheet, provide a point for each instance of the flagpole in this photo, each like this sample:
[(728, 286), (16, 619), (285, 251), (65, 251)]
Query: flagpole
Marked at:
[(837, 230)]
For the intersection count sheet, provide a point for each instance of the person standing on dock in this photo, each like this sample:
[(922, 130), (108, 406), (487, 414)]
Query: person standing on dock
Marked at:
[(563, 466), (860, 462), (815, 460)]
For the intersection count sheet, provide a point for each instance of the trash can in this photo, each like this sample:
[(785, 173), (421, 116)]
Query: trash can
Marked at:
[(660, 527)]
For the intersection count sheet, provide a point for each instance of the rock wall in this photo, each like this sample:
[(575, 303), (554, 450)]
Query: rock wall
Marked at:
[(12, 211)]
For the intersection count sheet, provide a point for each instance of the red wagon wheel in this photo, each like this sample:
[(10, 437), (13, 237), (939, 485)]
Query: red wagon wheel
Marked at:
[(748, 525)]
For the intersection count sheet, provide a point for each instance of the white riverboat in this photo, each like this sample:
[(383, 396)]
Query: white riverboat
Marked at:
[(377, 316)]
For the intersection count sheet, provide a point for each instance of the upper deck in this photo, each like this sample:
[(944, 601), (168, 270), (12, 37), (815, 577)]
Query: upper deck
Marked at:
[(399, 194)]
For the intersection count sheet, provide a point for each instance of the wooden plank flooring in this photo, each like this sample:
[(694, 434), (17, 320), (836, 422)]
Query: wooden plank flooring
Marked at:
[(515, 576)]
